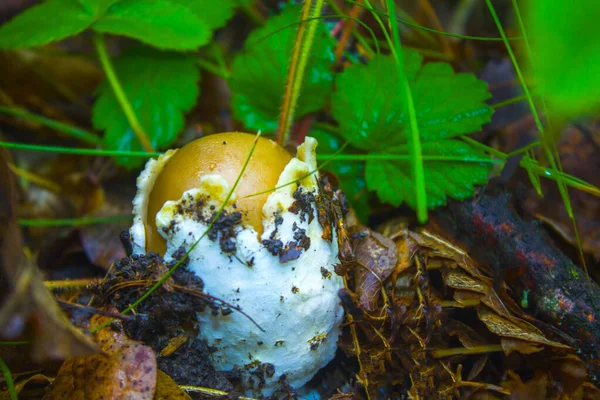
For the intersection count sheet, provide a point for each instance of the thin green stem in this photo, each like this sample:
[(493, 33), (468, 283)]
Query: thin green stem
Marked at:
[(413, 137), (12, 391), (551, 143), (298, 62), (48, 222), (524, 149), (531, 165), (360, 38), (403, 157), (481, 146), (392, 48), (74, 131), (15, 342), (508, 102), (417, 26), (561, 186), (75, 150), (120, 93), (213, 68)]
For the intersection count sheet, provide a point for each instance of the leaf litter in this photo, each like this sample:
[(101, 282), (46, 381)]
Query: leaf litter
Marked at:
[(424, 318)]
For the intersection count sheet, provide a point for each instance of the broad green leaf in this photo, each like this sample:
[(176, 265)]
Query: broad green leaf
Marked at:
[(565, 42), (259, 72), (165, 24), (46, 22), (214, 14), (170, 24), (370, 111), (351, 174), (392, 180), (97, 7), (160, 86)]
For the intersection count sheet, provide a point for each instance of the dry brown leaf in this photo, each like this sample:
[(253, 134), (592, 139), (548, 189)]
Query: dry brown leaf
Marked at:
[(535, 389), (477, 367), (101, 242), (167, 389), (34, 77), (459, 280), (467, 298), (467, 336), (510, 328), (126, 369), (27, 299), (376, 256), (32, 386), (522, 346)]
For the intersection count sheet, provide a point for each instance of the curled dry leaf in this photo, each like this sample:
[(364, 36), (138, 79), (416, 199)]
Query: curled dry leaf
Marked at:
[(515, 329), (125, 369), (27, 299), (510, 345), (376, 256)]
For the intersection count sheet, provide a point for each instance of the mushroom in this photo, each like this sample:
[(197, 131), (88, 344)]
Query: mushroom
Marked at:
[(271, 255)]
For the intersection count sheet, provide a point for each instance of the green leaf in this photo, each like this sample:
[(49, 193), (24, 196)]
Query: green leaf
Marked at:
[(166, 24), (47, 22), (214, 14), (97, 7), (259, 72), (454, 176), (161, 86), (169, 24), (565, 42), (370, 111), (350, 174)]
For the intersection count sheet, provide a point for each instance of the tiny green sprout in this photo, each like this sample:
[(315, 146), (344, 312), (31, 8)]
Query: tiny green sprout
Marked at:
[(574, 274), (525, 299)]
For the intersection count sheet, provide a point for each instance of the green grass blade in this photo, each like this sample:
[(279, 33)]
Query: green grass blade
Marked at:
[(116, 86), (545, 141), (12, 391), (70, 130), (414, 139), (51, 222), (78, 151), (402, 157), (417, 26)]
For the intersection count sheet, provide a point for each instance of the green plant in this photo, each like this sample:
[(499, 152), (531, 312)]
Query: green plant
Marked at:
[(148, 89), (399, 124)]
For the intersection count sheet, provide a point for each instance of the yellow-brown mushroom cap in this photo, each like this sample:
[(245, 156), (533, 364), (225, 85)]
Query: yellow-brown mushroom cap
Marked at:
[(224, 154)]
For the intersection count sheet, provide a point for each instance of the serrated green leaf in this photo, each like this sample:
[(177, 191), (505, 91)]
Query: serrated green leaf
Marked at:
[(565, 44), (165, 24), (370, 112), (170, 24), (259, 72), (47, 22), (350, 174), (160, 86), (392, 180)]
